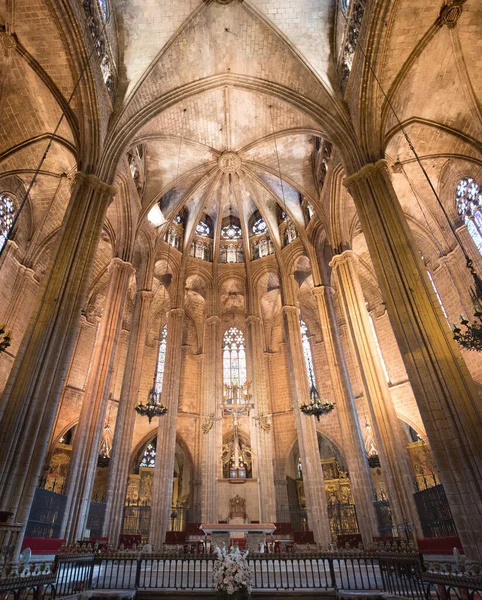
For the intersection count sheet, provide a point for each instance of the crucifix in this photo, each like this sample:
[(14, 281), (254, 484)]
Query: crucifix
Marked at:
[(237, 402)]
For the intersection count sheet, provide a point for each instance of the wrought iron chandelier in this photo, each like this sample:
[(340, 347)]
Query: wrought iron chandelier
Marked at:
[(316, 407), (4, 339), (471, 338), (152, 408)]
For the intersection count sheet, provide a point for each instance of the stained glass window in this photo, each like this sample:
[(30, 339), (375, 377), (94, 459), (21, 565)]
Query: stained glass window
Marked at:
[(305, 342), (231, 232), (259, 227), (469, 201), (7, 214), (103, 9), (234, 357), (149, 457), (203, 229), (161, 359)]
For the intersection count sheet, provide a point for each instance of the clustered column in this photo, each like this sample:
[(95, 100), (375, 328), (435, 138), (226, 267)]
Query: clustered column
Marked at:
[(116, 488), (353, 446), (263, 429), (444, 390), (314, 485), (32, 394), (166, 434), (212, 434), (87, 439), (393, 454)]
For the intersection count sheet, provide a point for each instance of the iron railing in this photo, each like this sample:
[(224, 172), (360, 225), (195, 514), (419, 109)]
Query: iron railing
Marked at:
[(400, 574)]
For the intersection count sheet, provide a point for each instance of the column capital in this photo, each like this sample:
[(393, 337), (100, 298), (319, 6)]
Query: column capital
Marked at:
[(366, 171), (144, 294), (122, 264), (319, 290), (288, 308), (343, 258), (253, 320), (95, 183), (177, 312), (213, 320)]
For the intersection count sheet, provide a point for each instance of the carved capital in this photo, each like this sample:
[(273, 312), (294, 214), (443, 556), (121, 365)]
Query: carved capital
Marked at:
[(144, 294), (320, 290), (253, 320), (121, 264), (366, 171), (95, 183), (177, 312), (214, 320), (288, 309), (343, 258)]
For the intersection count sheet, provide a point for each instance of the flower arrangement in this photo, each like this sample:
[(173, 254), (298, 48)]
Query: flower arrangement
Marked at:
[(231, 575)]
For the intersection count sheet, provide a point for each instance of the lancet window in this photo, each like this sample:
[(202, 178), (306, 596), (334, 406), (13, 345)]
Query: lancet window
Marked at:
[(234, 358), (7, 214), (161, 359), (305, 342), (469, 200)]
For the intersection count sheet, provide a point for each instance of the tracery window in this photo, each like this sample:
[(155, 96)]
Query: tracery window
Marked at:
[(203, 229), (305, 342), (231, 232), (7, 214), (161, 359), (469, 200), (149, 457), (259, 227), (234, 357)]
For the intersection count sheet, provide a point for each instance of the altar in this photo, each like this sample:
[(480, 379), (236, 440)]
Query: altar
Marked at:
[(253, 533)]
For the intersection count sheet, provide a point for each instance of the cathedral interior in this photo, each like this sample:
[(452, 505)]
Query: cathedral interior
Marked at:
[(240, 243)]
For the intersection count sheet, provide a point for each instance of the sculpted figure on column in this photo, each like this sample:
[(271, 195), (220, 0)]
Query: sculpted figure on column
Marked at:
[(445, 392), (32, 394)]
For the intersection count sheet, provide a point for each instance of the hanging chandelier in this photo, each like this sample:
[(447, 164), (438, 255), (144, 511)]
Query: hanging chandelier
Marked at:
[(4, 339), (152, 408), (316, 407), (471, 337)]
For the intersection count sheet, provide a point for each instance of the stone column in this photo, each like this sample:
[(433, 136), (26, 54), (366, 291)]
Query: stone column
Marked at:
[(393, 455), (166, 432), (353, 445), (445, 392), (87, 439), (262, 430), (117, 480), (32, 394), (212, 431), (313, 481)]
